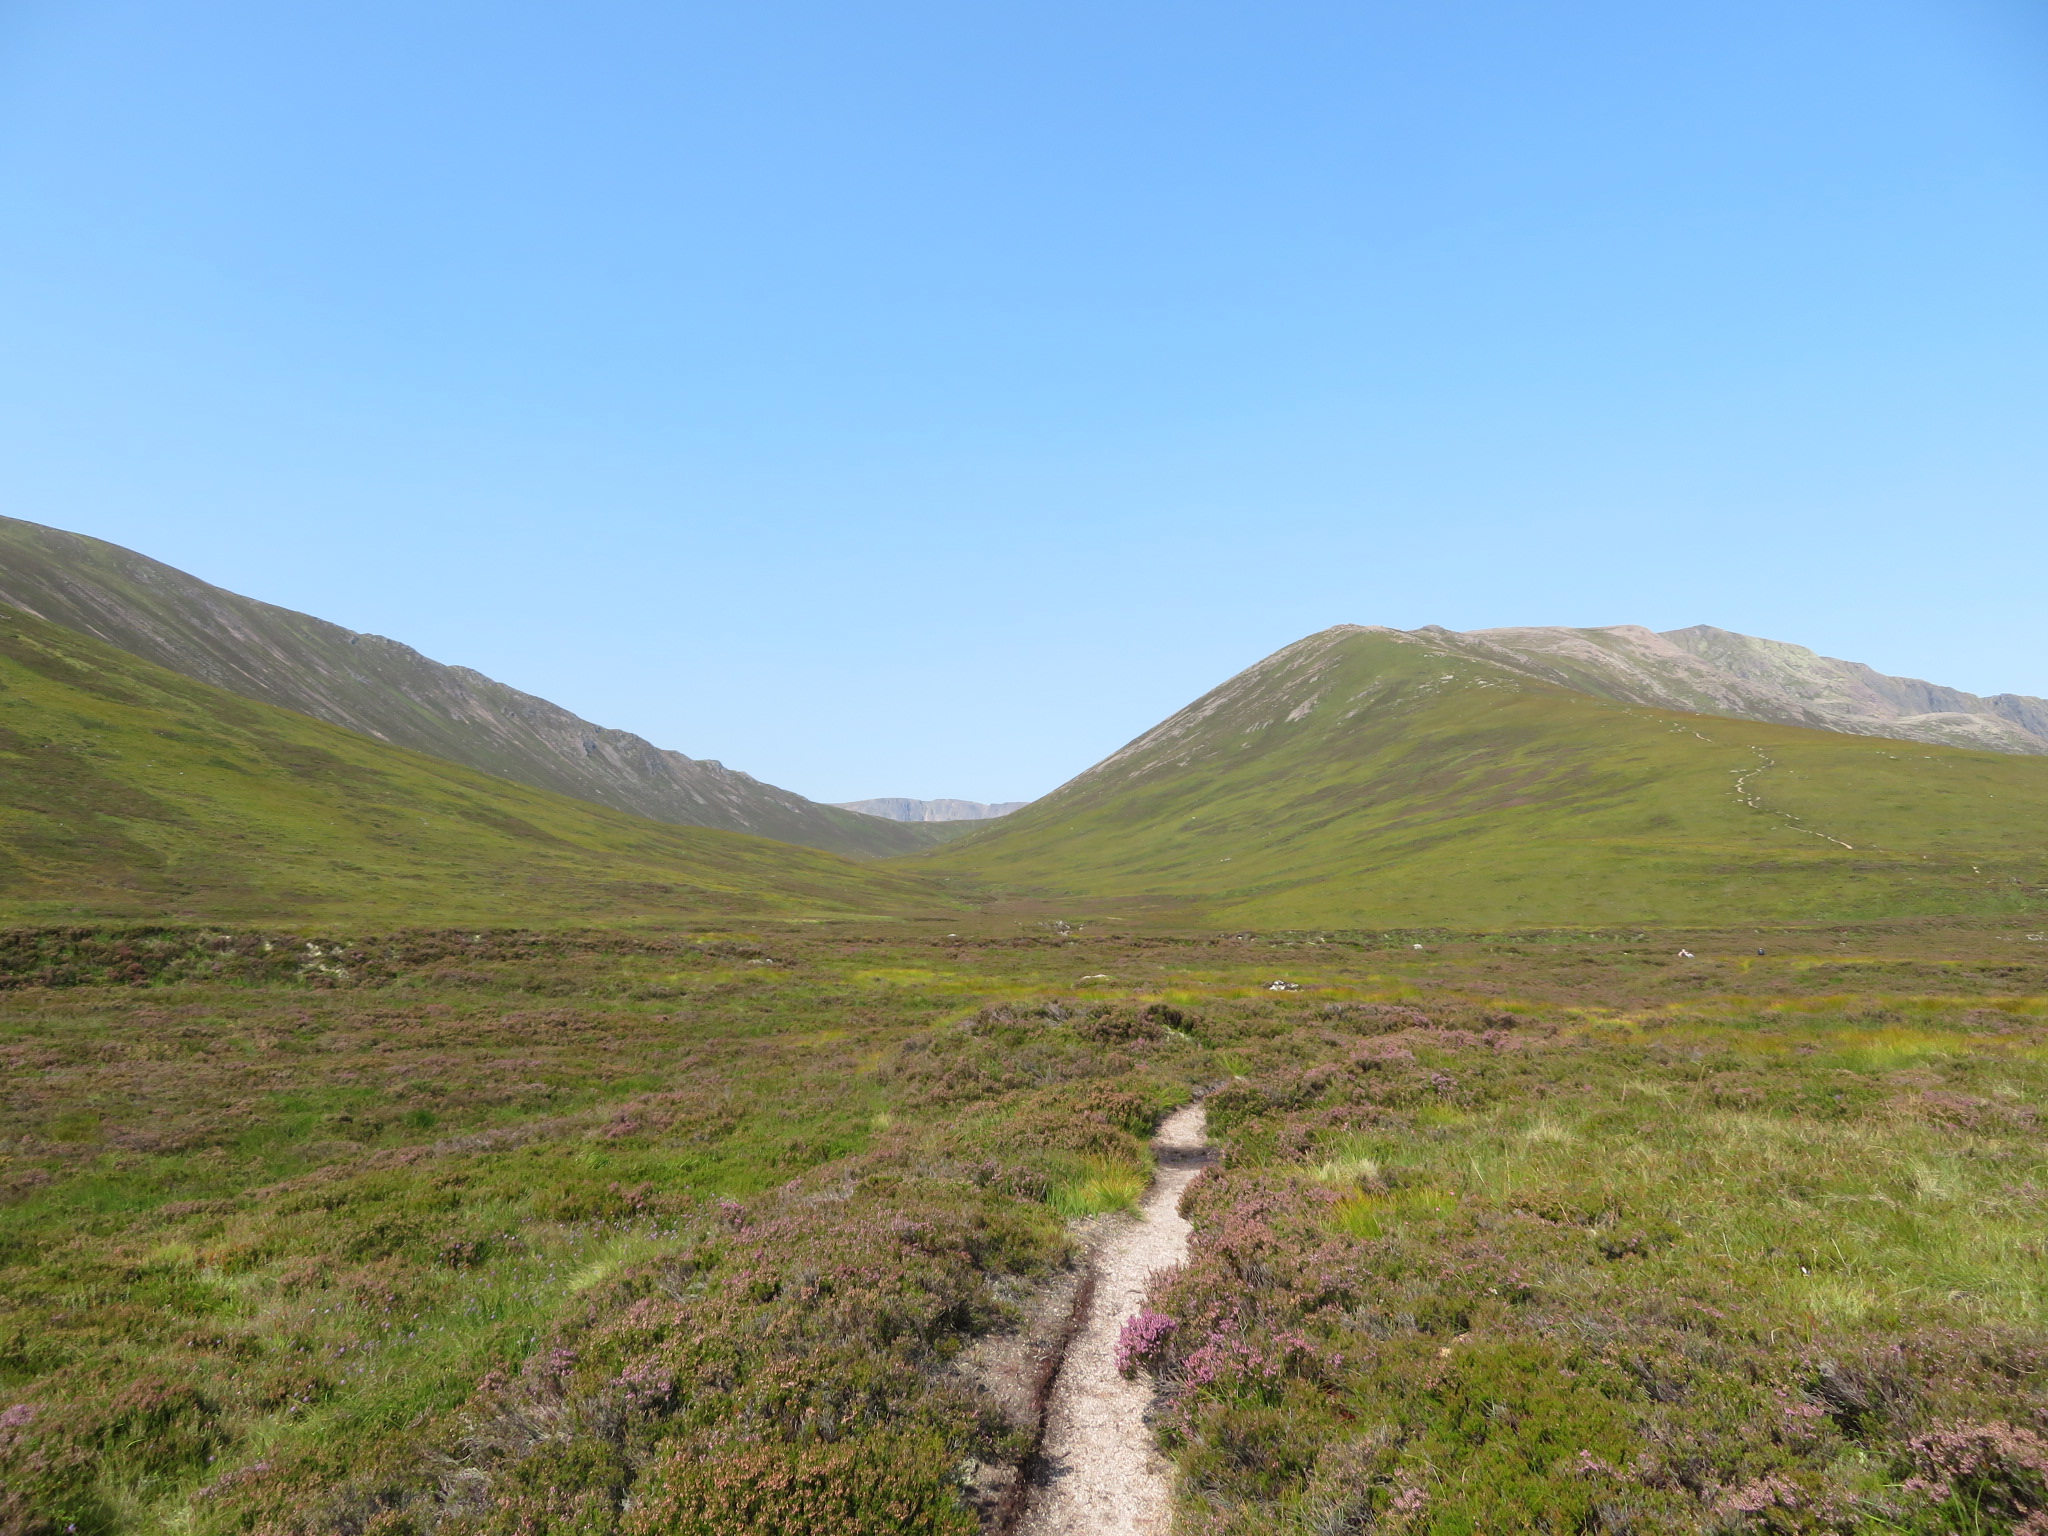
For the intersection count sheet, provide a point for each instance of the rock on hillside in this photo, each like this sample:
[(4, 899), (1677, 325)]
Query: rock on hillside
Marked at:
[(391, 692), (932, 810)]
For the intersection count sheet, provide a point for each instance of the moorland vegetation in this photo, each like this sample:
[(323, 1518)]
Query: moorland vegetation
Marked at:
[(392, 1148), (714, 1231)]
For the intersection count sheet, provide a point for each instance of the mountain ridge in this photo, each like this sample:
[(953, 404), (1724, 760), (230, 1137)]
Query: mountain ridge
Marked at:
[(1369, 777), (1720, 671), (900, 809), (130, 791), (390, 692)]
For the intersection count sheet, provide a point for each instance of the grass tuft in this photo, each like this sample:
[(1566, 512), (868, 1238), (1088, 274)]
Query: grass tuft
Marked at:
[(1095, 1186)]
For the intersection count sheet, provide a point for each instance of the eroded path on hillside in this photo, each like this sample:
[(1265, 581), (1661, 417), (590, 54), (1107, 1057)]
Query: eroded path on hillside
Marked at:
[(1100, 1473)]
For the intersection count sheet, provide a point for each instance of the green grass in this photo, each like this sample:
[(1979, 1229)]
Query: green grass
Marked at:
[(273, 1242), (1358, 782), (1094, 1186), (390, 692), (1561, 1275), (1877, 1216), (130, 791), (617, 1234)]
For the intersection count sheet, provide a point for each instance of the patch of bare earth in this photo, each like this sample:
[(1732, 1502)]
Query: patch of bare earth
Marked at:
[(1098, 1471), (1015, 1370)]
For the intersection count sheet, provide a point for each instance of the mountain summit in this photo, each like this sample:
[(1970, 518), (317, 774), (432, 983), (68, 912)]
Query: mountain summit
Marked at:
[(389, 691), (1380, 777)]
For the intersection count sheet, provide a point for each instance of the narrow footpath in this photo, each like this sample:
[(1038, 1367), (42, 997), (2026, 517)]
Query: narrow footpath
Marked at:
[(1100, 1474)]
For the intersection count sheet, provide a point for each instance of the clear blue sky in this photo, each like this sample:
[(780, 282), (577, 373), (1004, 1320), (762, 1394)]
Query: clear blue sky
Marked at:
[(923, 398)]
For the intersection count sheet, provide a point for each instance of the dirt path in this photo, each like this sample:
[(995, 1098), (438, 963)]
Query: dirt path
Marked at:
[(1100, 1473)]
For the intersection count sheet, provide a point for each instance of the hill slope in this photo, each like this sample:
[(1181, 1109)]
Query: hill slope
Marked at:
[(390, 691), (129, 791), (1723, 673), (1374, 777)]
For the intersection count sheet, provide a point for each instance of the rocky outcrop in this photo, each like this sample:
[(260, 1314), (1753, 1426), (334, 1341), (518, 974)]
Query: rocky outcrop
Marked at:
[(1720, 672), (387, 690), (932, 810)]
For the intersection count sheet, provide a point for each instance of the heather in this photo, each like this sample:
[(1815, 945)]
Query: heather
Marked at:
[(443, 1231), (499, 1231), (1780, 1273)]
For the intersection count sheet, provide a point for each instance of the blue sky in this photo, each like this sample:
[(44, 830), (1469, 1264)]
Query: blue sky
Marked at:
[(919, 398)]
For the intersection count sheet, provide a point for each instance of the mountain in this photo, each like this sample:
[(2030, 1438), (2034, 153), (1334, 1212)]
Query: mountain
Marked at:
[(1719, 672), (932, 810), (131, 791), (389, 691), (1375, 777)]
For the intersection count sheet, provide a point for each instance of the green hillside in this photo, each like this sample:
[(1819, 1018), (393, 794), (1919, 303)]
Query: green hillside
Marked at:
[(1363, 778), (390, 692), (130, 791)]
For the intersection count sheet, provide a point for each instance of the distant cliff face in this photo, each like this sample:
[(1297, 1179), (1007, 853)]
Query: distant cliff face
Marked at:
[(390, 691), (1719, 672), (932, 810)]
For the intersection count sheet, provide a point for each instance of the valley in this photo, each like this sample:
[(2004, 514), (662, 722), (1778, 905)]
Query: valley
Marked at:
[(1023, 769), (1362, 776), (1519, 1081)]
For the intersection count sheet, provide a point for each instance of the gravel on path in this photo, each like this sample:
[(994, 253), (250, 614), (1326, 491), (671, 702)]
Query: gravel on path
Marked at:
[(1099, 1472)]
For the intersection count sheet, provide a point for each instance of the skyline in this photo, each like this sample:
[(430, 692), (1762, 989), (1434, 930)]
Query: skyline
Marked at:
[(924, 403), (1714, 672)]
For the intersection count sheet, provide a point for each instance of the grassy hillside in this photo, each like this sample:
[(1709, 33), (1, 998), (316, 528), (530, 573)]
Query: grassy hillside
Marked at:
[(129, 791), (1357, 779), (391, 692)]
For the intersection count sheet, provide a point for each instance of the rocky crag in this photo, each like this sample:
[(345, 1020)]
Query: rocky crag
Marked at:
[(932, 810), (1719, 672)]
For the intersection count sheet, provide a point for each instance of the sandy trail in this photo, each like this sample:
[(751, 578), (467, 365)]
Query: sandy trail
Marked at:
[(1100, 1472)]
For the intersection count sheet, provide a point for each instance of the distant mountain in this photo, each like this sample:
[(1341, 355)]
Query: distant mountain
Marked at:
[(1382, 778), (391, 692), (1720, 672), (931, 810), (128, 791)]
